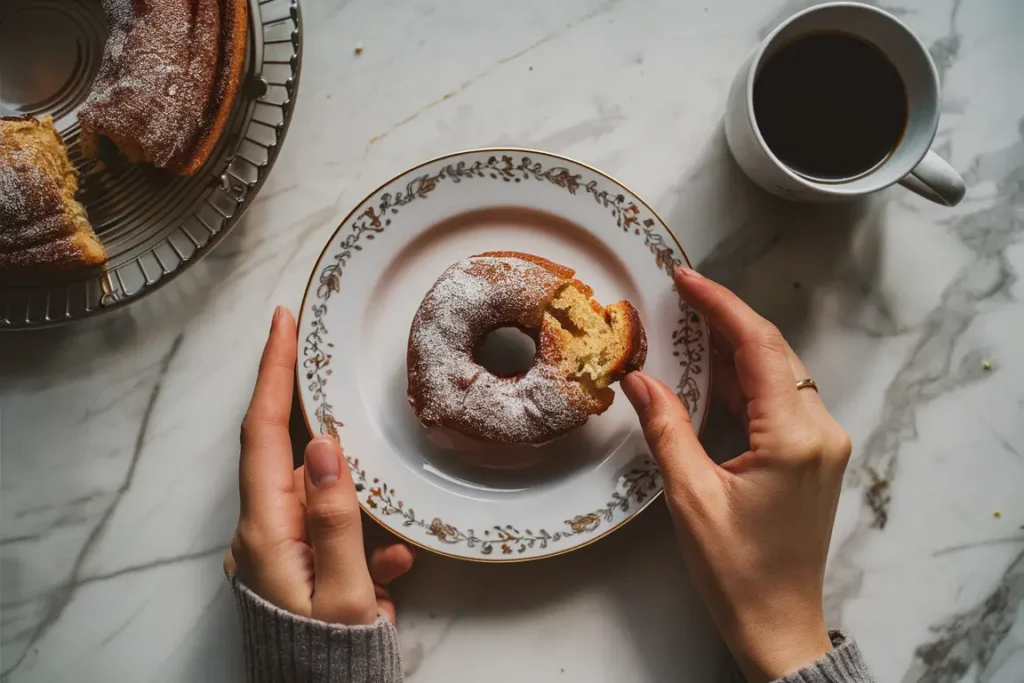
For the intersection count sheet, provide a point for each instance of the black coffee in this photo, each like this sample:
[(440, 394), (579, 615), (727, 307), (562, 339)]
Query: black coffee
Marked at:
[(830, 105)]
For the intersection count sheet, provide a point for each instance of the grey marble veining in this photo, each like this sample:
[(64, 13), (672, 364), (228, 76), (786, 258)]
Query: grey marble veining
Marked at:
[(977, 639), (118, 437)]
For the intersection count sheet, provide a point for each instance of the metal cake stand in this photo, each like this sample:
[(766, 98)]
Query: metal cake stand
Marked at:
[(153, 224)]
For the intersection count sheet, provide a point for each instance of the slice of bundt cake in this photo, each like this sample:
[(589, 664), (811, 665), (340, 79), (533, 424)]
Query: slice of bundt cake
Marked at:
[(41, 223)]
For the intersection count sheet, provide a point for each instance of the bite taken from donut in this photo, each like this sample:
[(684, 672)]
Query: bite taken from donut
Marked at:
[(582, 348)]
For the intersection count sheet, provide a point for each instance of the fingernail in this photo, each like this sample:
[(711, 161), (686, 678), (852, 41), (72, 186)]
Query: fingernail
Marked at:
[(322, 461), (636, 391), (690, 273), (277, 317)]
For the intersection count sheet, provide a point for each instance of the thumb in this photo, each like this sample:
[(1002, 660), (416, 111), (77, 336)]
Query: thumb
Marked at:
[(666, 423), (342, 589)]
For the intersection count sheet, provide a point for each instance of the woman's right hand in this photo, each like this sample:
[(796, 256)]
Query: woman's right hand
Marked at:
[(755, 530)]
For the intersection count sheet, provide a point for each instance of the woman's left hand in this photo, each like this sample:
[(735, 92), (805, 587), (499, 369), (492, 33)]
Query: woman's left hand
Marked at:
[(299, 539)]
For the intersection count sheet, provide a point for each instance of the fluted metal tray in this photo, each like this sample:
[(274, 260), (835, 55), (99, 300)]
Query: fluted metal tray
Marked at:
[(153, 224)]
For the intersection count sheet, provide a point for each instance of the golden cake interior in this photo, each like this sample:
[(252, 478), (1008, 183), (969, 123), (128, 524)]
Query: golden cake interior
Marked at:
[(598, 344)]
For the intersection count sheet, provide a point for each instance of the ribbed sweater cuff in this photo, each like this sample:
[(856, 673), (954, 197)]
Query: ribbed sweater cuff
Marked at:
[(843, 664), (281, 647)]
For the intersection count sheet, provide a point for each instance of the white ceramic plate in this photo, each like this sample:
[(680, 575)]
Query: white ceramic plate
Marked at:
[(484, 502)]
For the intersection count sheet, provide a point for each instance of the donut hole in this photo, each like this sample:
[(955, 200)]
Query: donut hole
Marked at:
[(506, 352)]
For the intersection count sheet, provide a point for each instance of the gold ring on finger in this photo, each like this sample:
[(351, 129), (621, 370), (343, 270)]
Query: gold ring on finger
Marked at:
[(806, 384)]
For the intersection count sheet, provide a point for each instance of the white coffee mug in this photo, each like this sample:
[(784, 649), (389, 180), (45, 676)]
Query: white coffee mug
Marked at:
[(911, 163)]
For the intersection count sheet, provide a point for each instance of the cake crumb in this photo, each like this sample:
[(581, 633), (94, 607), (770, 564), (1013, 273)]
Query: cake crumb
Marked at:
[(987, 365), (997, 514), (358, 50)]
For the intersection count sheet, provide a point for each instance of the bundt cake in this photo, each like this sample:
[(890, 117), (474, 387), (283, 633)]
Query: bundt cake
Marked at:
[(582, 348), (170, 72)]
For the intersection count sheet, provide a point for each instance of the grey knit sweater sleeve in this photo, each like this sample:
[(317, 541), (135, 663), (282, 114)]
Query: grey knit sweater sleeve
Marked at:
[(281, 647), (843, 664)]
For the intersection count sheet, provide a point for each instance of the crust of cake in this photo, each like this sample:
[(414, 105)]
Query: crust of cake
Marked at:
[(635, 359), (233, 39), (561, 271)]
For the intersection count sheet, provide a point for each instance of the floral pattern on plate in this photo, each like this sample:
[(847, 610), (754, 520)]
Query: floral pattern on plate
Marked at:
[(635, 487)]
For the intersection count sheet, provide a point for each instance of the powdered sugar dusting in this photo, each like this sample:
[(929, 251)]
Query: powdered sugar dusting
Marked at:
[(157, 76), (448, 387), (34, 226), (24, 189)]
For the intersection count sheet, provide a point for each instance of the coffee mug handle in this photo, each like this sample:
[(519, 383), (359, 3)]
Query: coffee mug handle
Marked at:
[(936, 180)]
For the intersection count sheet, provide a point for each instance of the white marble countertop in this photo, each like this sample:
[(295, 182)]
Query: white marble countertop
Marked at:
[(119, 436)]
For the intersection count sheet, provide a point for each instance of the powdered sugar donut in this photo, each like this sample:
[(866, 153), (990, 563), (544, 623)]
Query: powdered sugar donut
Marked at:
[(582, 347)]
